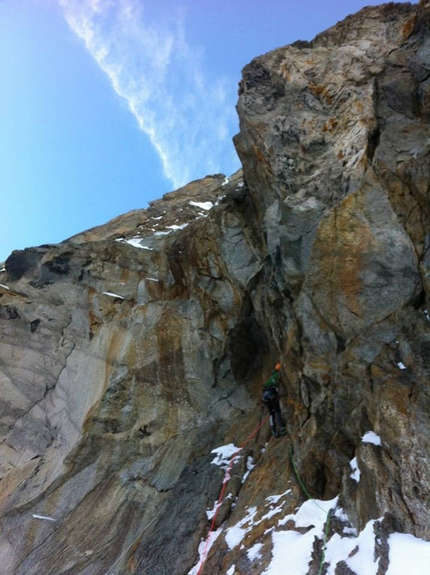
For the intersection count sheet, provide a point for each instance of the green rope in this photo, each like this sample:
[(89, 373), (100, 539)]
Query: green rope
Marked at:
[(325, 538), (327, 522)]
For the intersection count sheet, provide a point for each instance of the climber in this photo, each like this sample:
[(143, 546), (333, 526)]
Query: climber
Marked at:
[(271, 399)]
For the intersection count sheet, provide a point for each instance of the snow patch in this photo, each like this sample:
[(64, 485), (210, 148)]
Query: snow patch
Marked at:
[(234, 535), (401, 365), (371, 437), (271, 513), (203, 205), (357, 552), (408, 554), (4, 287), (135, 242), (355, 475), (273, 499), (249, 467), (363, 561), (223, 455), (204, 548), (294, 549), (254, 552), (175, 227), (314, 512)]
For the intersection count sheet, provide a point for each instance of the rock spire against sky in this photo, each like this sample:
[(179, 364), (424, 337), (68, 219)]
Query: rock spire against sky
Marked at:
[(106, 105)]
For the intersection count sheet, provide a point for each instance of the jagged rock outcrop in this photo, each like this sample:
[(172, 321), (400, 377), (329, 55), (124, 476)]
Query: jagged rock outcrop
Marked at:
[(130, 351), (343, 174)]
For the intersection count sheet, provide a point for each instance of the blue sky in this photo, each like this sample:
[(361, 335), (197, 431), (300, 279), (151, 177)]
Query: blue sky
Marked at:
[(106, 105)]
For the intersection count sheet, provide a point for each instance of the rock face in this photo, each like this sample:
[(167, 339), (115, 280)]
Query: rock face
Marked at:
[(129, 352)]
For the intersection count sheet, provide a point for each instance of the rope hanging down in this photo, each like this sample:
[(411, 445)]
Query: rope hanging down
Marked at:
[(223, 488)]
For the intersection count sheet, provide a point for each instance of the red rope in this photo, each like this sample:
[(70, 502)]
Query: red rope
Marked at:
[(221, 495)]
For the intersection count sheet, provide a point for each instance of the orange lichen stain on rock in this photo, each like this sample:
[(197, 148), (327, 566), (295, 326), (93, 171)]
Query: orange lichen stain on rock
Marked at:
[(395, 395), (408, 28), (348, 265), (359, 109), (330, 125), (155, 289), (343, 241), (15, 477), (178, 292), (321, 92), (125, 275), (132, 562), (261, 157), (296, 408), (111, 360), (284, 71)]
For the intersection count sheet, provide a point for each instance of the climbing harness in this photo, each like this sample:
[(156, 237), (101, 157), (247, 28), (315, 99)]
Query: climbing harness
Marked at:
[(329, 515), (223, 488)]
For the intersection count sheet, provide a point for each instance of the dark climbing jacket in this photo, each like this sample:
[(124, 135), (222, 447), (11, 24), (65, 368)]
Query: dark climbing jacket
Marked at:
[(269, 393), (271, 400), (270, 390)]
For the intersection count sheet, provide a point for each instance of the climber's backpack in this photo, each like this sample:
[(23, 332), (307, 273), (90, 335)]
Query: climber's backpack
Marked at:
[(270, 393)]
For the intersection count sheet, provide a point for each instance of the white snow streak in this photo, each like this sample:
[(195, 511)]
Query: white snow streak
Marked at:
[(371, 437), (43, 517), (176, 227), (115, 295), (202, 205), (355, 475), (135, 242), (224, 454), (254, 553), (249, 467), (204, 546), (234, 535)]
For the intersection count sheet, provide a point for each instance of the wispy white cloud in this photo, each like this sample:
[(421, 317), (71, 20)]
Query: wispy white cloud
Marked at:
[(188, 115)]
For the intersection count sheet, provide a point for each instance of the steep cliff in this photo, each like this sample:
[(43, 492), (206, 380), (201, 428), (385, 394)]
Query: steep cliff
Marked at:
[(130, 352)]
